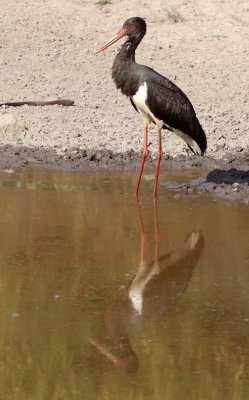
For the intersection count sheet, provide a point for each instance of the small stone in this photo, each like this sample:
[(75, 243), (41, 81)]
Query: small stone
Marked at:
[(98, 156)]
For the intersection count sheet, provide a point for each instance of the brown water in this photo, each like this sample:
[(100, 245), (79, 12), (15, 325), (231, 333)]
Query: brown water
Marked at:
[(90, 308)]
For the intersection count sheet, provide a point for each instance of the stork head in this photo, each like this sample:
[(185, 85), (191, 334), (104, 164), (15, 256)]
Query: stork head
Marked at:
[(132, 27)]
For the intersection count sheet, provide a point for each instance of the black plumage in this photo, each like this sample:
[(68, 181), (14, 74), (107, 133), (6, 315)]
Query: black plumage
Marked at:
[(165, 104)]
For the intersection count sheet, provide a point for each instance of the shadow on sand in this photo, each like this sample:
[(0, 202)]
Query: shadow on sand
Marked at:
[(229, 176)]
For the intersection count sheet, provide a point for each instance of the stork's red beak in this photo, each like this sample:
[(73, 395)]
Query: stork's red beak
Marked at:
[(128, 364), (119, 35)]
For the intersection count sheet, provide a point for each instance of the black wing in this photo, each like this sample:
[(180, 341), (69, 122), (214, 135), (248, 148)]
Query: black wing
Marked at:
[(171, 106), (168, 103)]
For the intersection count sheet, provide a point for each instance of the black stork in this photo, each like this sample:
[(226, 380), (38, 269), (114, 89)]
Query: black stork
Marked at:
[(155, 97)]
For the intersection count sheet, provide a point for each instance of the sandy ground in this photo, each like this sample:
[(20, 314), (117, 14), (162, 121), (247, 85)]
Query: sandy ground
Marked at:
[(47, 52)]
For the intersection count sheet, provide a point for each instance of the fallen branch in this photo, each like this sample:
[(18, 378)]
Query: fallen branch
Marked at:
[(59, 102)]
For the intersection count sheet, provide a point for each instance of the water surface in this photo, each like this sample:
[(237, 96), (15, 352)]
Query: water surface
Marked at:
[(98, 301)]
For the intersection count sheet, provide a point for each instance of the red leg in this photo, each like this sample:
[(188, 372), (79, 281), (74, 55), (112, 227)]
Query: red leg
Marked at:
[(145, 153), (143, 236), (158, 160), (157, 234)]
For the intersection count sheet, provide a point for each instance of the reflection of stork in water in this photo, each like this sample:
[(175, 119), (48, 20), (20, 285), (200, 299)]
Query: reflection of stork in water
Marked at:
[(154, 289)]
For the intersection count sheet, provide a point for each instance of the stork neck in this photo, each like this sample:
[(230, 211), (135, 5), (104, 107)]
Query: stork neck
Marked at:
[(128, 48), (124, 69)]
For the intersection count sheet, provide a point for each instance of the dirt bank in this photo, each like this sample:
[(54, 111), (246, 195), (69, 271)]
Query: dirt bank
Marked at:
[(228, 178)]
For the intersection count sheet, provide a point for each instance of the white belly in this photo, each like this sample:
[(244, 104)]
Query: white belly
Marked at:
[(139, 100)]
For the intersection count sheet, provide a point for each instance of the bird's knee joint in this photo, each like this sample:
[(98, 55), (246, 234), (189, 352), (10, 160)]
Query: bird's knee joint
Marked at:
[(145, 153)]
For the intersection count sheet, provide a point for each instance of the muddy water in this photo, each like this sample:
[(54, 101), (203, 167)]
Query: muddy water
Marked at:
[(101, 299)]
